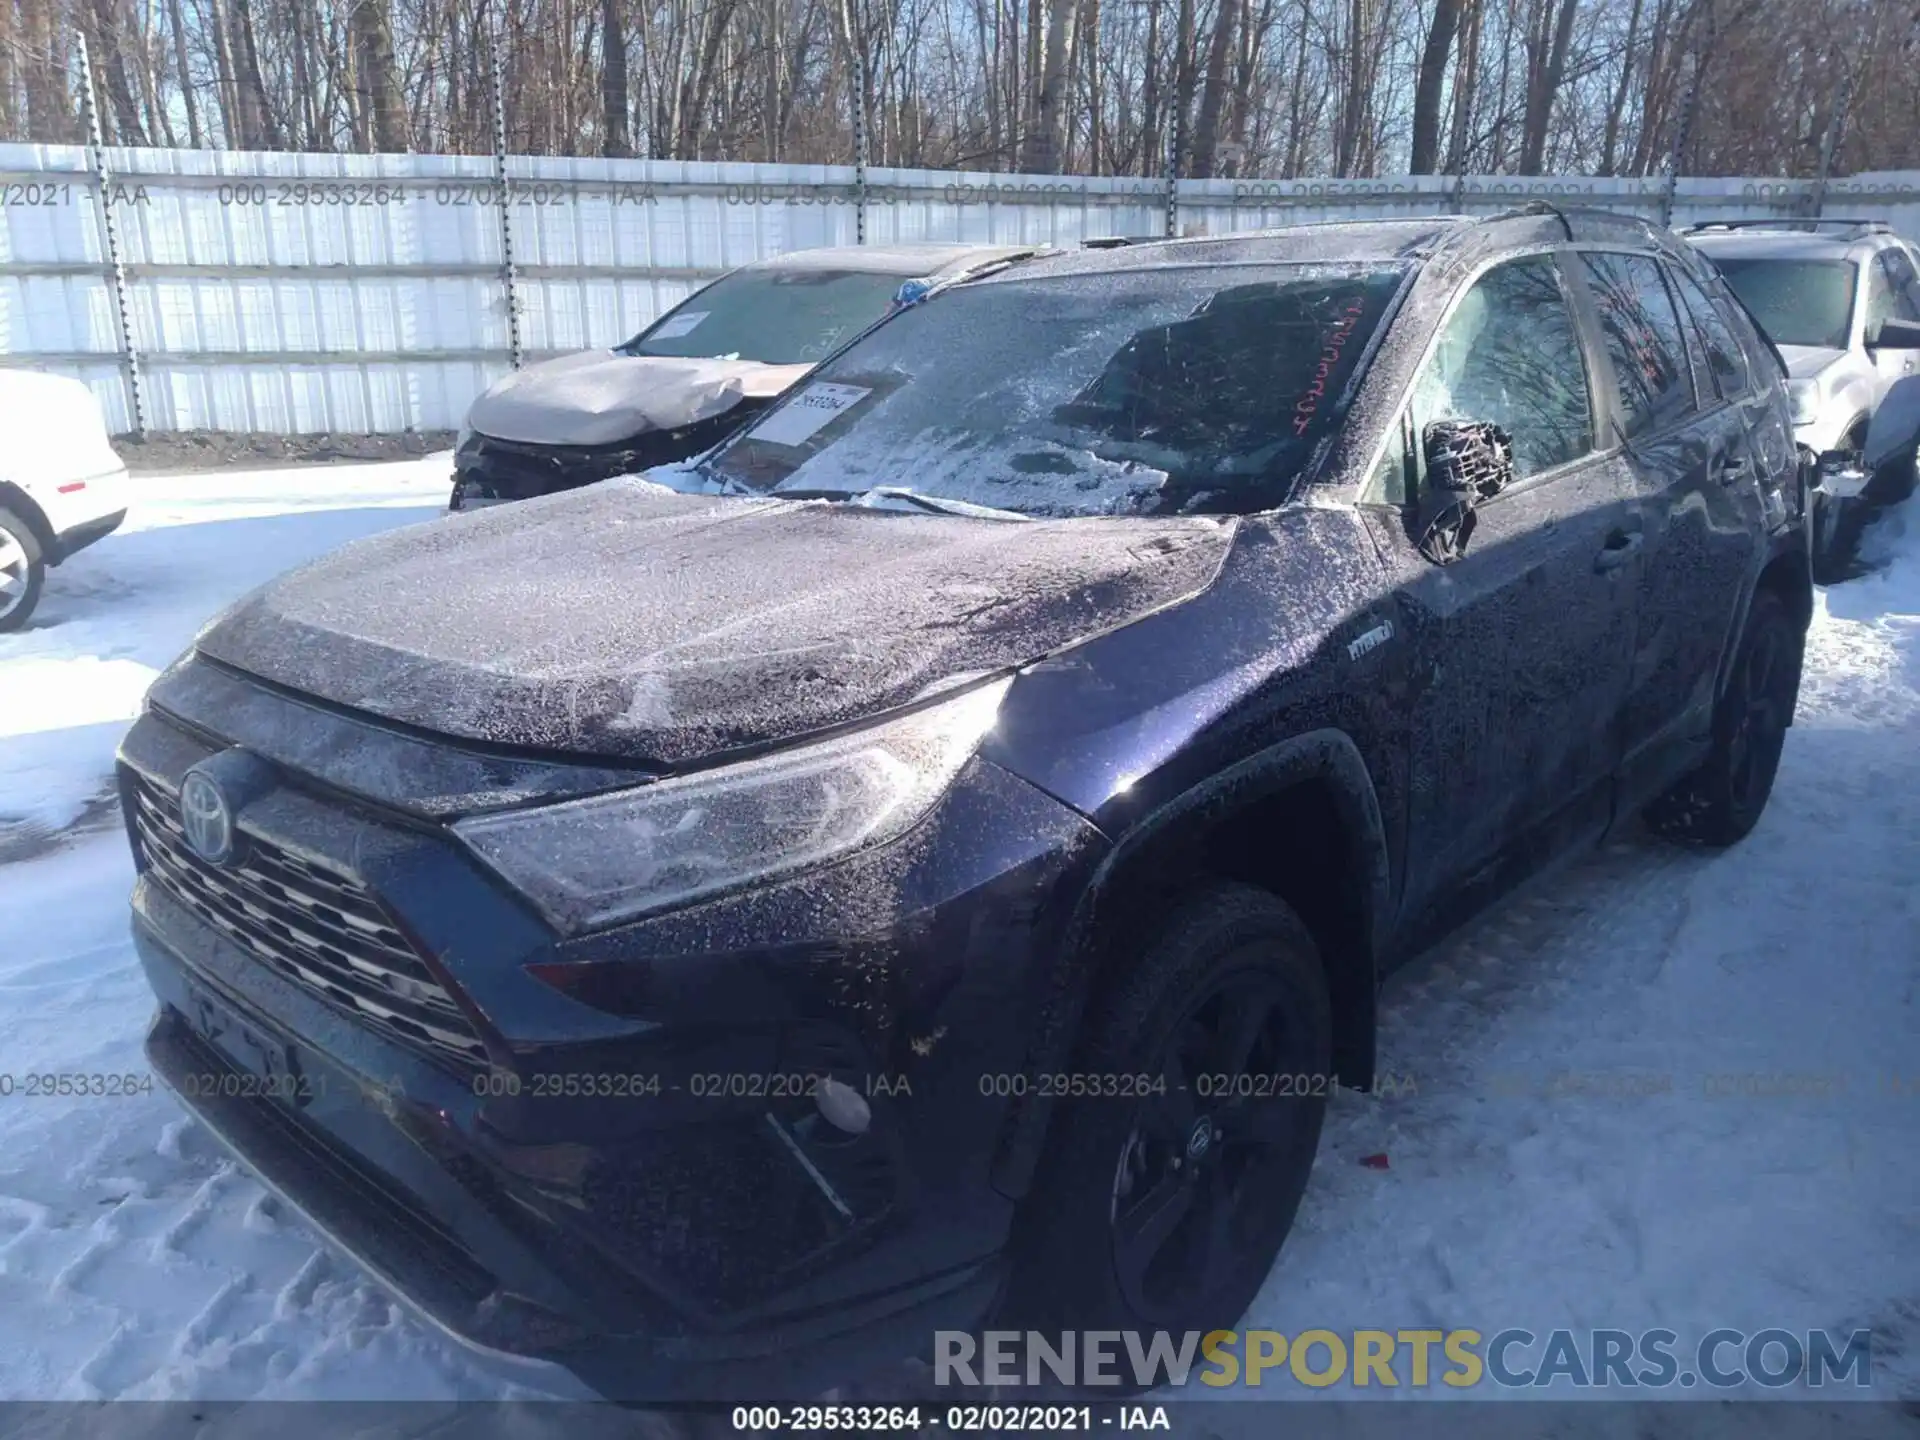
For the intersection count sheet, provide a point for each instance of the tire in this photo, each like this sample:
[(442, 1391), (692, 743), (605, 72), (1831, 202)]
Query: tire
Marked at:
[(22, 571), (1165, 1212), (1721, 801)]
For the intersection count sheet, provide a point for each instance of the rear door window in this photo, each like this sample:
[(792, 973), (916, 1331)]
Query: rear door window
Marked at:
[(1644, 340), (1724, 362)]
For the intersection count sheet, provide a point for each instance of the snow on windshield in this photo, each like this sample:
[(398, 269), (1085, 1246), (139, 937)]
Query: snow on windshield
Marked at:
[(1171, 390)]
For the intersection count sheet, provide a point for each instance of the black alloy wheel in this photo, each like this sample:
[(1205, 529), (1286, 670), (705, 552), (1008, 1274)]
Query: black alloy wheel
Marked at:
[(1172, 1181)]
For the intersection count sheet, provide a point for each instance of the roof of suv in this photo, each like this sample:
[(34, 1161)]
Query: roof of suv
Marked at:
[(1415, 237), (1788, 240), (908, 261)]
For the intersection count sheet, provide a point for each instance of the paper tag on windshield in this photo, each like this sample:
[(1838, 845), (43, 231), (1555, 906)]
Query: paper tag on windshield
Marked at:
[(674, 326), (812, 408)]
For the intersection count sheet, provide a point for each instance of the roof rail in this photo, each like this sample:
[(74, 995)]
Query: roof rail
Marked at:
[(1114, 242), (1854, 228), (1546, 207)]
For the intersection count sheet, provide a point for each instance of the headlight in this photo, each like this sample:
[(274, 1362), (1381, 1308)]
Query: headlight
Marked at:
[(1804, 397), (594, 862)]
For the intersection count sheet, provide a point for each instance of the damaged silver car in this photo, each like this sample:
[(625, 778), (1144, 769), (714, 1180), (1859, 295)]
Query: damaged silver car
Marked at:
[(1841, 301), (693, 375)]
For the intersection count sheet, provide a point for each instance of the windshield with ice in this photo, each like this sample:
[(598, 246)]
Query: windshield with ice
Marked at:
[(1797, 302), (778, 317), (1145, 392)]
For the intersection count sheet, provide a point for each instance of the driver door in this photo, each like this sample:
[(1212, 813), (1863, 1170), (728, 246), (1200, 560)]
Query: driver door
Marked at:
[(1520, 647), (1893, 293)]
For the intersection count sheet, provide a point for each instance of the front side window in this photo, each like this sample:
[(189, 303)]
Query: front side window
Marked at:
[(1724, 361), (778, 317), (1203, 389), (1887, 297), (1906, 275), (1643, 338), (1508, 355), (1797, 302)]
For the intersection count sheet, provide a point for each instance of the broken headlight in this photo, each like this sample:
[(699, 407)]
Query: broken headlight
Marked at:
[(1804, 397), (594, 862)]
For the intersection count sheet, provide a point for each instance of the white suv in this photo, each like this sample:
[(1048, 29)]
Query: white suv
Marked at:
[(1841, 301), (62, 486)]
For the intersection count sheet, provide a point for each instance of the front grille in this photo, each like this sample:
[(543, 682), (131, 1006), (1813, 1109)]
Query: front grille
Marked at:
[(316, 927)]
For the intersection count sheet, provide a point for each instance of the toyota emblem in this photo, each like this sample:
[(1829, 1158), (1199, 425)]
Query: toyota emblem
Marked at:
[(206, 819), (1200, 1140)]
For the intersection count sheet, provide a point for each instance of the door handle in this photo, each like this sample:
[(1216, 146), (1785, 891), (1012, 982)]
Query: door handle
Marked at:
[(1621, 546), (1730, 468)]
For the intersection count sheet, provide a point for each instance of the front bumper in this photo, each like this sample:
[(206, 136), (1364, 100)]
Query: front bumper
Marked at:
[(1835, 481), (706, 1238)]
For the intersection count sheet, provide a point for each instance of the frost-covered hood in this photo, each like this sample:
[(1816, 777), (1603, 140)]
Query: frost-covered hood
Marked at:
[(627, 620), (1806, 361), (599, 397)]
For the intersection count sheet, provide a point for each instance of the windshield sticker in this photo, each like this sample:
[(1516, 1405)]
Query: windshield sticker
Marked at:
[(1337, 337), (675, 326), (813, 408)]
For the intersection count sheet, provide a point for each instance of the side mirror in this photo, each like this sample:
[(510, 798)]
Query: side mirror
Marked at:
[(1467, 462), (1898, 335)]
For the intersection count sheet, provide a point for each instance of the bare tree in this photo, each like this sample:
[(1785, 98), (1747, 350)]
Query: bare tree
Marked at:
[(1040, 148), (1270, 87), (1428, 88), (379, 85), (1206, 129), (1549, 35)]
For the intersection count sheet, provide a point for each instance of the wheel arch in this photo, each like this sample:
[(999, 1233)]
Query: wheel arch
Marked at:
[(1265, 821), (1787, 573), (13, 498)]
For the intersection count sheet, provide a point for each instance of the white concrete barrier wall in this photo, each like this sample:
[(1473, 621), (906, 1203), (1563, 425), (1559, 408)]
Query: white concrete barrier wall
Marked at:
[(366, 294)]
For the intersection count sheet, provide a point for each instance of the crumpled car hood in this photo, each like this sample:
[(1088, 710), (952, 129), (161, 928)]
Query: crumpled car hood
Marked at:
[(630, 621), (599, 397)]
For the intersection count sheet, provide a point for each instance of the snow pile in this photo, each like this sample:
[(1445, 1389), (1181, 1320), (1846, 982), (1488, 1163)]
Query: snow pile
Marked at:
[(115, 614)]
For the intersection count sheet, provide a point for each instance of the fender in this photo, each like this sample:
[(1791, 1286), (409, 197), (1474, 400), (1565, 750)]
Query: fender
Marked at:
[(28, 509), (1353, 979), (1788, 545)]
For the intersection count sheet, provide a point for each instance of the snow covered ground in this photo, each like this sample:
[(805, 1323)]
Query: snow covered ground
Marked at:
[(1659, 1089)]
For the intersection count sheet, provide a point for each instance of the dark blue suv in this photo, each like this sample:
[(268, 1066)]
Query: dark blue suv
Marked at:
[(933, 859)]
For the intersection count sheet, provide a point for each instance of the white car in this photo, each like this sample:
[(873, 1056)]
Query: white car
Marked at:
[(1840, 299), (62, 486)]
